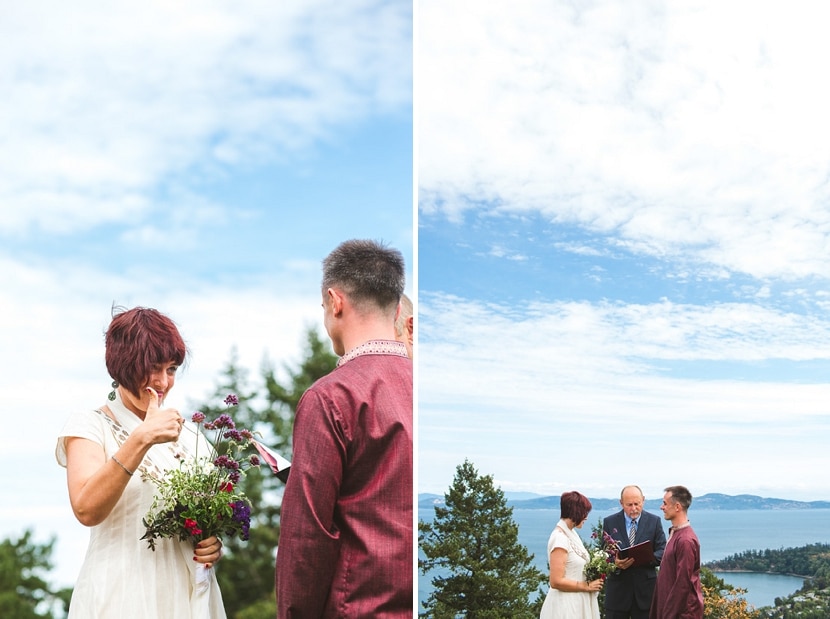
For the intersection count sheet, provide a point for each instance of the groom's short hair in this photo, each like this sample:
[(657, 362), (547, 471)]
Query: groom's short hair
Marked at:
[(681, 495), (369, 272)]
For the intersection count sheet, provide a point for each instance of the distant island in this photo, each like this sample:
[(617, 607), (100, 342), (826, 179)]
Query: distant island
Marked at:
[(524, 500)]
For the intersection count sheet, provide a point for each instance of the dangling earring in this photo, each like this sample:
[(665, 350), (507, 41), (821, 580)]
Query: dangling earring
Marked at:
[(111, 395)]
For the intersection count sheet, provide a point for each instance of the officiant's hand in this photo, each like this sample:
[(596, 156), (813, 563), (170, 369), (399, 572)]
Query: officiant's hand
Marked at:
[(623, 564), (162, 425)]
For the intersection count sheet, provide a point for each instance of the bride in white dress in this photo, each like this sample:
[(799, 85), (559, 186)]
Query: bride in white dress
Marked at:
[(570, 595), (108, 454)]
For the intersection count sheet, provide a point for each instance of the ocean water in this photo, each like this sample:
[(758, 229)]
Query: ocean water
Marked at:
[(721, 532)]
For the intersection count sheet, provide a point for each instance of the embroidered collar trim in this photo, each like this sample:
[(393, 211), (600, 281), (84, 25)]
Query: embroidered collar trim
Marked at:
[(678, 527), (374, 347), (575, 541)]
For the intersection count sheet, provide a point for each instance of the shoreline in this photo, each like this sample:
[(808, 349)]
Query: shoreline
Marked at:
[(725, 571)]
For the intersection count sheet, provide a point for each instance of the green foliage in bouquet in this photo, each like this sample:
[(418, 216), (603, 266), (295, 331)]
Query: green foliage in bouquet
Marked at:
[(603, 550), (201, 498)]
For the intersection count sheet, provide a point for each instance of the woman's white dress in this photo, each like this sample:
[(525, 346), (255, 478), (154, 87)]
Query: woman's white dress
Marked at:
[(570, 604), (120, 576)]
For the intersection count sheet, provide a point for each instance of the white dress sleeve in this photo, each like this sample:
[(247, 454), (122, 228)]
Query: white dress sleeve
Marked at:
[(558, 539), (87, 424)]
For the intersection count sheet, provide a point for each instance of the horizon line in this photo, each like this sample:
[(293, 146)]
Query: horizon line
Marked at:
[(723, 494)]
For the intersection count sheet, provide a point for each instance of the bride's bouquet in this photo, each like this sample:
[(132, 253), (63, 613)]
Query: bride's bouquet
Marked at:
[(201, 498), (602, 552)]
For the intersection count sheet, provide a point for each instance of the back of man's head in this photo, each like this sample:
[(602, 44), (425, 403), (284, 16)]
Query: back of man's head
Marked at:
[(372, 275)]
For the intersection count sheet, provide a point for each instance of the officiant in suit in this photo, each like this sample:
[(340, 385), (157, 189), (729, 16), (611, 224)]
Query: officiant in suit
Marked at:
[(629, 590)]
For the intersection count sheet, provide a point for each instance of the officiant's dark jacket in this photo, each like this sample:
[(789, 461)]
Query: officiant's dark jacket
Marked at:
[(634, 587)]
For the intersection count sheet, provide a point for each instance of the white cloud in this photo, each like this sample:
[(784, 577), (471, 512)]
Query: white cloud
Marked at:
[(579, 392), (107, 101), (499, 251), (694, 129)]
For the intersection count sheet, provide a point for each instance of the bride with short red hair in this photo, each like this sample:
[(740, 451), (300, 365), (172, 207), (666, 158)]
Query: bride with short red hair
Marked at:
[(109, 452), (570, 595)]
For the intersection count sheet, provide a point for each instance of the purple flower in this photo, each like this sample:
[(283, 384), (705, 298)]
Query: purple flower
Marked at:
[(232, 400), (221, 461), (224, 421), (241, 511), (233, 435), (198, 417), (226, 462), (242, 515), (254, 460)]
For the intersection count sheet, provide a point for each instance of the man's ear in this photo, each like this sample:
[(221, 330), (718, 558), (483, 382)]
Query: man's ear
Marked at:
[(410, 327), (336, 300)]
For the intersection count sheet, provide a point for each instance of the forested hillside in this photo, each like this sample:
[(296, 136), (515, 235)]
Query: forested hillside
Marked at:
[(812, 562)]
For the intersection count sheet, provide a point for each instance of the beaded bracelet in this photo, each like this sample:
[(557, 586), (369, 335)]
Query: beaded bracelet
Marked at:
[(126, 470)]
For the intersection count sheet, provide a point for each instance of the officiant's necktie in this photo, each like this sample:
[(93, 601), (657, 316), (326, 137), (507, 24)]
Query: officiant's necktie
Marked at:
[(632, 532)]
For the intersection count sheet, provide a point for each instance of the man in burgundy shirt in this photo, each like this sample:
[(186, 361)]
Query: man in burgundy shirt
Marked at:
[(346, 538), (678, 594)]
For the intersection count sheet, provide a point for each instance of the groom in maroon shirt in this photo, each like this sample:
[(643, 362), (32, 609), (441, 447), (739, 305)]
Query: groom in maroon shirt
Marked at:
[(346, 526), (678, 594)]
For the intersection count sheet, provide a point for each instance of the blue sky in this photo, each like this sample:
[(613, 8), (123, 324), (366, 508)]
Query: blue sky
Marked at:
[(623, 234), (200, 159)]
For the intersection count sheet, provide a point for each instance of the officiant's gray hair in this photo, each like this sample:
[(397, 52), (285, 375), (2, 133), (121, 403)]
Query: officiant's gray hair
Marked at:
[(640, 490)]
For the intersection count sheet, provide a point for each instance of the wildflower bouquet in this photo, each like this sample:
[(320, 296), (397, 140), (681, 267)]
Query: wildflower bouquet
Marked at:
[(602, 552), (200, 499)]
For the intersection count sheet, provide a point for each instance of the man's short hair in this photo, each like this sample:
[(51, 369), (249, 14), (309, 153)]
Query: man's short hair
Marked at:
[(366, 271), (681, 495)]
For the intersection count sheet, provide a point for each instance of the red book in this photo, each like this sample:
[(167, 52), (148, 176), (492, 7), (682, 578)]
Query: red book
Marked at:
[(642, 553), (279, 465)]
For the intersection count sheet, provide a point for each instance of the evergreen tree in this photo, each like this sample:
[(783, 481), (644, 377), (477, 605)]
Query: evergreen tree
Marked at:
[(481, 570), (282, 399), (24, 593), (246, 572)]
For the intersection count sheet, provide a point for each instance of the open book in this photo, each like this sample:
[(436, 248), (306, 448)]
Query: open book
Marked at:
[(642, 553), (279, 465)]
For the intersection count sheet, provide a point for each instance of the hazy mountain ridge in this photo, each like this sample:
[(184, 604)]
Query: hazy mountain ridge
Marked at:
[(711, 501)]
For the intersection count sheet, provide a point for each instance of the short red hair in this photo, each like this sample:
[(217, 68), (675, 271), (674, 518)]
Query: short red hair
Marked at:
[(137, 341), (574, 506)]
